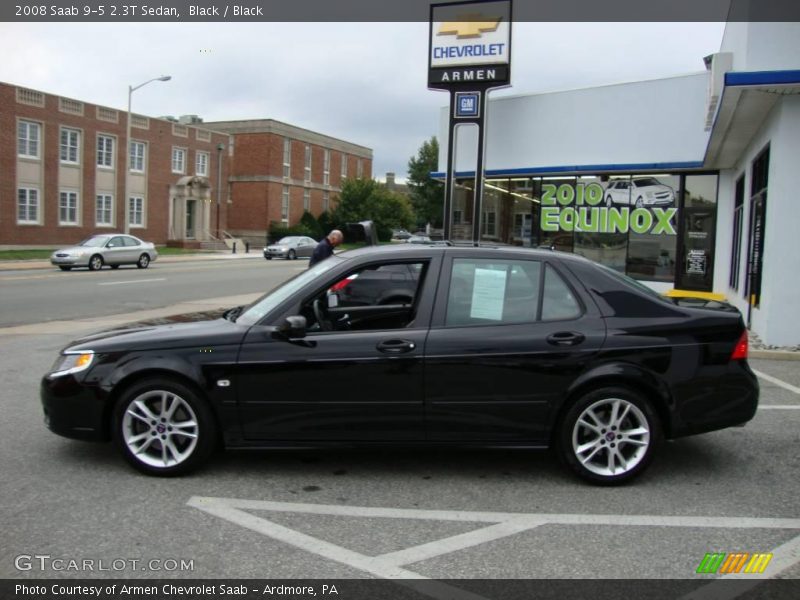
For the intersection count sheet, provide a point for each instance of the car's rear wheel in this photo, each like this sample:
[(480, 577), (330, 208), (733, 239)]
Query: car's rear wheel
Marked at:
[(292, 255), (163, 427), (96, 263), (608, 436), (143, 262), (63, 268)]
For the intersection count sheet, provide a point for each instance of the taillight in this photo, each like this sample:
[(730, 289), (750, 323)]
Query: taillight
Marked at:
[(740, 350)]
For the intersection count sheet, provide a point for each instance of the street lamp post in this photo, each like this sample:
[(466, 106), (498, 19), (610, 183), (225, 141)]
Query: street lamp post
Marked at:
[(127, 165)]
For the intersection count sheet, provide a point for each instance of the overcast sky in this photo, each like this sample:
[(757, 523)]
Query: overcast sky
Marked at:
[(362, 82)]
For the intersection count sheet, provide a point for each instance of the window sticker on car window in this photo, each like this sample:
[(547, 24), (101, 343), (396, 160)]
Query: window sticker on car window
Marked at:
[(488, 294)]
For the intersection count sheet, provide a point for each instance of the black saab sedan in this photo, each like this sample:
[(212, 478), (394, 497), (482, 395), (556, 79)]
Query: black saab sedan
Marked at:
[(492, 347)]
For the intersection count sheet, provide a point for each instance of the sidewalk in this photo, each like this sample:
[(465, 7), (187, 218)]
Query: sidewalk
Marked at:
[(17, 265)]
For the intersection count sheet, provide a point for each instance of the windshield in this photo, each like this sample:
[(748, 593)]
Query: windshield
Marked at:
[(95, 240), (645, 182), (638, 285), (261, 307)]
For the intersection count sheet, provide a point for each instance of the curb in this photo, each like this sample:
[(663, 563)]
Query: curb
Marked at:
[(775, 354)]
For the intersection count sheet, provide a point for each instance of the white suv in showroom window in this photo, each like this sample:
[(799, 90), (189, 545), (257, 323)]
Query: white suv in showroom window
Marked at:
[(641, 192)]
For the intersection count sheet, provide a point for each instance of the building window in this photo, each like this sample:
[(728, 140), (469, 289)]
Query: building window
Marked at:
[(136, 211), (360, 168), (757, 229), (201, 164), (28, 135), (307, 177), (70, 141), (458, 217), (285, 205), (105, 151), (68, 208), (104, 210), (307, 200), (326, 201), (136, 161), (28, 206), (344, 165), (178, 160), (489, 224), (326, 170), (736, 238), (287, 157)]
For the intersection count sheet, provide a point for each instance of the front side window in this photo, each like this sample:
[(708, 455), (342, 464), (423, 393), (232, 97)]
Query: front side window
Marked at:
[(136, 211), (28, 206), (28, 139), (103, 210), (68, 208), (201, 164), (178, 160), (70, 145), (137, 152), (105, 151)]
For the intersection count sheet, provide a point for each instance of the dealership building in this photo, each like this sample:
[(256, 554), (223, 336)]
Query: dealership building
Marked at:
[(685, 182)]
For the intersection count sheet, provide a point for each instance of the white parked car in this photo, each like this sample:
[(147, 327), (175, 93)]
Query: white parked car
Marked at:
[(107, 249), (641, 192)]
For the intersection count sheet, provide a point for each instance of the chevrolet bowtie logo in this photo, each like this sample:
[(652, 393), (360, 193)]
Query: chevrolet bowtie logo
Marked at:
[(470, 28)]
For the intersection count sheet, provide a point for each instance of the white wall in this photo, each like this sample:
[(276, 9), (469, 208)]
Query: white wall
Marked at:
[(763, 46), (658, 121)]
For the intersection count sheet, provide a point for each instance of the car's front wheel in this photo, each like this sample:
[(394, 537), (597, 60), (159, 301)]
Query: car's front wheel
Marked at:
[(639, 202), (163, 427), (96, 263), (63, 268), (143, 262), (609, 201), (608, 436), (292, 255)]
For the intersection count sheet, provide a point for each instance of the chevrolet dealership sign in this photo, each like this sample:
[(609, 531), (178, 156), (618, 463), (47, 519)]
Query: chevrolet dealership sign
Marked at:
[(470, 42)]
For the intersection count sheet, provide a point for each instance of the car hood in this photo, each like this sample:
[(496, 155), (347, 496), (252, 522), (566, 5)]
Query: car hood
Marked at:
[(76, 249), (279, 246), (177, 331)]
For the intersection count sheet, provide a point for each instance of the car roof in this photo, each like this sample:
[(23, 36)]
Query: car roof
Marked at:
[(421, 250)]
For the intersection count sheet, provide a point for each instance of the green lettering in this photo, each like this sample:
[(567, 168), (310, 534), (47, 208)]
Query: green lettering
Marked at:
[(566, 219), (617, 220), (663, 224), (566, 194), (548, 194), (641, 220), (586, 224), (594, 194), (549, 218)]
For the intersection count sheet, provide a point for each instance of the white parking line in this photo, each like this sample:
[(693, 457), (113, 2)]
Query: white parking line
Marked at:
[(391, 564), (778, 382), (134, 281), (779, 407)]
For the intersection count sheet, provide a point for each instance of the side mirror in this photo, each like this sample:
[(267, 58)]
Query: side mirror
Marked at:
[(293, 327)]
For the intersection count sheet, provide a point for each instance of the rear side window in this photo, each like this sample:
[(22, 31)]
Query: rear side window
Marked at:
[(558, 302), (493, 292)]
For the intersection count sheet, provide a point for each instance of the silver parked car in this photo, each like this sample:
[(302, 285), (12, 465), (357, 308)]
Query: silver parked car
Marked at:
[(107, 249), (291, 247)]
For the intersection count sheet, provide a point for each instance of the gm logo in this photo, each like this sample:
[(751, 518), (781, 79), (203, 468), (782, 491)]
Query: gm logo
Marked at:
[(471, 27), (736, 562), (467, 104)]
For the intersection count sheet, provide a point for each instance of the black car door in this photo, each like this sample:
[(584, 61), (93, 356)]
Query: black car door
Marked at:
[(356, 376), (508, 336)]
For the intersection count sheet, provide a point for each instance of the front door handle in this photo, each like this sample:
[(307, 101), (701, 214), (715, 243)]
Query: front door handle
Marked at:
[(565, 338), (396, 346)]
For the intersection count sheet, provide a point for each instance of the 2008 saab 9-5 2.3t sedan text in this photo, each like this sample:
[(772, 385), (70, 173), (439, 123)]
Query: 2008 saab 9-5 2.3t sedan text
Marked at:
[(494, 347)]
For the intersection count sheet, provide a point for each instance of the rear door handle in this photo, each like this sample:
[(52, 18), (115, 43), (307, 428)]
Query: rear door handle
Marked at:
[(565, 338), (396, 346)]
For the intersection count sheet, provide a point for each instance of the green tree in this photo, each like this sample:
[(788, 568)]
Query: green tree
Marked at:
[(427, 194), (366, 199)]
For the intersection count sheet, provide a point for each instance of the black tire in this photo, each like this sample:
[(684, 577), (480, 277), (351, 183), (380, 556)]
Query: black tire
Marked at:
[(154, 456), (63, 268), (292, 255), (268, 257), (585, 446), (143, 262), (114, 266), (96, 263), (609, 201)]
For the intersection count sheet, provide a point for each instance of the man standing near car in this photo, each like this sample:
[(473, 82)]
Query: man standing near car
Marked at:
[(325, 248)]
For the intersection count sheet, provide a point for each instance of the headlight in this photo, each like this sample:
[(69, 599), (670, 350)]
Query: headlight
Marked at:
[(72, 362)]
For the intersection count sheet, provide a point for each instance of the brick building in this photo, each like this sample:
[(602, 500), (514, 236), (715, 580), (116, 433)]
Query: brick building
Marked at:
[(279, 171), (62, 176)]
